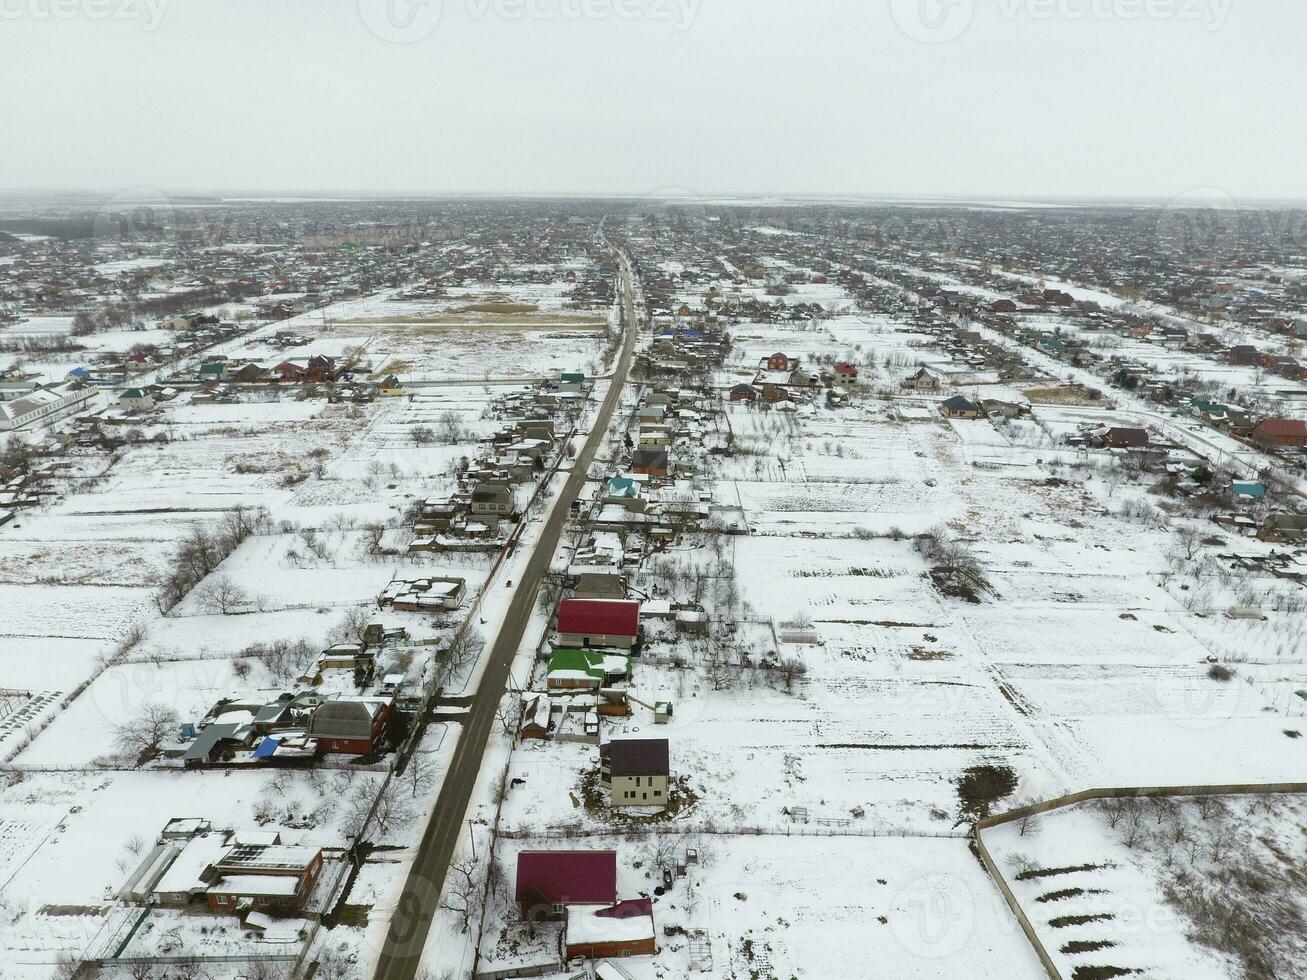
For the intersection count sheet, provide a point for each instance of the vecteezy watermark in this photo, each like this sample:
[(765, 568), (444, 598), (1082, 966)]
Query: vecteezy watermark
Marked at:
[(136, 215), (1203, 221), (934, 916), (148, 12), (1194, 695), (401, 21), (933, 21), (407, 21), (938, 21), (1212, 14)]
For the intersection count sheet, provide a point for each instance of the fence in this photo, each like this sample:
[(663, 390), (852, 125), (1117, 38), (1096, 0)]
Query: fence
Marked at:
[(710, 830), (540, 970), (1085, 796)]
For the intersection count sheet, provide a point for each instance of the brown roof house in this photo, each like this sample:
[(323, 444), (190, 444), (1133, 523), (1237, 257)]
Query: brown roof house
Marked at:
[(653, 462), (636, 770), (1121, 438), (1280, 433), (353, 726)]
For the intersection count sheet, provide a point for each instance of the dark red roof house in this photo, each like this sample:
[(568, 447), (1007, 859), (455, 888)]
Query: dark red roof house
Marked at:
[(1120, 438), (598, 623), (1280, 432), (846, 371), (549, 881)]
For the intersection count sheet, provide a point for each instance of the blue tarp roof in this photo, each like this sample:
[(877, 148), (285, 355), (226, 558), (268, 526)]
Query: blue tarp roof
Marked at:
[(267, 748)]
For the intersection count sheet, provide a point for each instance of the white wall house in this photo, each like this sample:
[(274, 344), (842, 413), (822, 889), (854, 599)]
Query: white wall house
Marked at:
[(44, 405)]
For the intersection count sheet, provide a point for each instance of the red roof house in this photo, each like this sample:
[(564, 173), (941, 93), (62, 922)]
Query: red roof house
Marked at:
[(1280, 432), (846, 371), (549, 881), (598, 623)]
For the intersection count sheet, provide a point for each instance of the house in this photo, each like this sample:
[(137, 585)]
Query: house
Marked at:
[(1123, 438), (492, 500), (186, 879), (585, 670), (214, 741), (135, 400), (1280, 433), (923, 380), (289, 371), (958, 407), (424, 595), (548, 882), (392, 387), (626, 492), (537, 716), (1284, 527), (598, 623), (995, 408), (1245, 355), (350, 725), (743, 393), (781, 362), (618, 931), (247, 373), (1247, 490), (1003, 306), (263, 877), (653, 462), (846, 373), (600, 585), (636, 771)]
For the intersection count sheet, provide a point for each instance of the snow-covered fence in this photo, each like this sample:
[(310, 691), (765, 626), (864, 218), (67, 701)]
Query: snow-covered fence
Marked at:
[(786, 830), (1085, 796), (539, 970)]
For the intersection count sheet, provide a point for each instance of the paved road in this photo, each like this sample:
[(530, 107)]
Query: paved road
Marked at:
[(411, 923)]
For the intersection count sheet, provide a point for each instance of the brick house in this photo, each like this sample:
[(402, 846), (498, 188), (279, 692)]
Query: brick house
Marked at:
[(350, 726), (653, 462), (550, 881), (1280, 433), (588, 623), (257, 878)]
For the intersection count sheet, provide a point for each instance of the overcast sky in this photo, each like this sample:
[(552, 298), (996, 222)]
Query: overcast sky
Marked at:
[(1014, 98)]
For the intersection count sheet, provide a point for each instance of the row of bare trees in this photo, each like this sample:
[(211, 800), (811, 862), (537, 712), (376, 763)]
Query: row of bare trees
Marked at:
[(204, 549)]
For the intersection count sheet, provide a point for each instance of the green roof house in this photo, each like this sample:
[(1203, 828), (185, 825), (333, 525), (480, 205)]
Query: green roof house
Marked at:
[(585, 669)]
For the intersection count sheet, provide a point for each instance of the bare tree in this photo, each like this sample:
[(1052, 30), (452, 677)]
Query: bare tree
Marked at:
[(1189, 539), (792, 669), (221, 594), (464, 891), (449, 427), (354, 626), (421, 773), (462, 649), (720, 674), (374, 533), (142, 733)]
